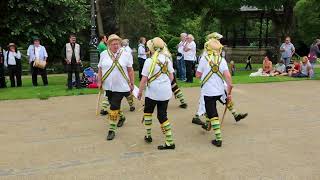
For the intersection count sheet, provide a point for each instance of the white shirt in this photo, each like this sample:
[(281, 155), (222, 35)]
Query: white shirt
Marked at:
[(127, 49), (37, 51), (11, 58), (160, 88), (181, 46), (215, 85), (115, 82), (191, 54), (142, 52)]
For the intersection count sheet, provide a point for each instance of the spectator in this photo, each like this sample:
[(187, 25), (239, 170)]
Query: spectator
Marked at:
[(2, 77), (38, 53), (248, 63), (189, 57), (13, 62), (73, 55), (142, 54), (287, 50), (232, 68), (125, 46), (103, 44), (314, 53), (267, 66), (305, 69), (280, 69), (180, 57)]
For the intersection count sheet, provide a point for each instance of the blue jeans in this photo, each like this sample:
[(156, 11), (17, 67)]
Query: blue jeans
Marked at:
[(181, 69), (286, 61), (312, 67)]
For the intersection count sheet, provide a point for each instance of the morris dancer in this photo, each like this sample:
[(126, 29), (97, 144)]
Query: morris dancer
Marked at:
[(201, 110), (157, 74), (116, 77), (212, 69)]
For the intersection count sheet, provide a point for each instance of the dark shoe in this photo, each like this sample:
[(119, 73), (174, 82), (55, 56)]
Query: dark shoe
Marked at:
[(103, 112), (165, 147), (111, 135), (197, 121), (206, 126), (132, 108), (184, 106), (148, 139), (240, 116), (121, 122), (216, 143)]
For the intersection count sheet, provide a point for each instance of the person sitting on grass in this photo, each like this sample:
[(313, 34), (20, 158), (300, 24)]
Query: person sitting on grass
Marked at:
[(280, 69), (267, 66), (305, 69), (295, 69)]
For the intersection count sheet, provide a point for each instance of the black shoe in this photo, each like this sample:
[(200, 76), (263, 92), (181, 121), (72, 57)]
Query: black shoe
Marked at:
[(217, 143), (197, 121), (111, 135), (132, 108), (240, 116), (148, 139), (183, 106), (103, 112), (206, 126), (165, 147), (121, 122)]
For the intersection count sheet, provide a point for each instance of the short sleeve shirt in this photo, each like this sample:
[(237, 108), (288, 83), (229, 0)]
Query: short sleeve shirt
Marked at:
[(160, 88), (215, 85), (115, 82)]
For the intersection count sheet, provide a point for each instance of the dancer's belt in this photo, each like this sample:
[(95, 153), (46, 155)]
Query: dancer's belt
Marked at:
[(214, 64)]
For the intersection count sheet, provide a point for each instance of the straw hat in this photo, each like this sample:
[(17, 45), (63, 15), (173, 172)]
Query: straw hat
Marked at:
[(155, 44), (11, 44), (214, 35), (213, 46), (113, 37)]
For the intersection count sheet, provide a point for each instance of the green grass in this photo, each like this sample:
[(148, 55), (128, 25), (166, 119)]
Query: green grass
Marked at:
[(57, 85)]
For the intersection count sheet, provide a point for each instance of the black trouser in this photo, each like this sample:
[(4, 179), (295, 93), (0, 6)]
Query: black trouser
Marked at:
[(162, 106), (248, 65), (141, 63), (115, 98), (211, 106), (35, 71), (73, 68), (15, 73), (189, 71), (2, 78)]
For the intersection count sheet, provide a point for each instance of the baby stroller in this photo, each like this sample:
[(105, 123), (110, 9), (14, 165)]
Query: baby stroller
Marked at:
[(88, 78)]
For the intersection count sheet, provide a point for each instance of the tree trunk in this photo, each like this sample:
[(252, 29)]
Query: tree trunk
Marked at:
[(99, 20)]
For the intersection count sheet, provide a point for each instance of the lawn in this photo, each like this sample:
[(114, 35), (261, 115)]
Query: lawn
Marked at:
[(57, 85)]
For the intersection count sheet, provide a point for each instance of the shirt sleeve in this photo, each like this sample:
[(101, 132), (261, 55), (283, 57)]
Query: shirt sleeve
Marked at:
[(223, 66), (28, 51), (292, 47), (146, 67), (130, 60), (102, 56), (45, 52), (170, 67), (202, 65), (18, 55)]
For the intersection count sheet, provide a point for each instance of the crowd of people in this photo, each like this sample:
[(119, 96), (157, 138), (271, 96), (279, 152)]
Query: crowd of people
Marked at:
[(303, 67)]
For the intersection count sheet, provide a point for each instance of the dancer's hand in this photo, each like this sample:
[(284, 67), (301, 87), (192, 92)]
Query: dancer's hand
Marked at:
[(140, 95), (229, 97)]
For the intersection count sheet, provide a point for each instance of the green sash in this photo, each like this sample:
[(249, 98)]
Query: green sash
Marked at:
[(115, 64), (163, 68), (214, 62)]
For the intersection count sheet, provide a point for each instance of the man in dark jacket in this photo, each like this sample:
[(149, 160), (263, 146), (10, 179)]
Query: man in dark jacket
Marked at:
[(2, 78)]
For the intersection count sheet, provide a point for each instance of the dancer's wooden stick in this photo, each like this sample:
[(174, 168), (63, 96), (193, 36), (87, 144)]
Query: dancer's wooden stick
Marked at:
[(98, 102), (225, 109)]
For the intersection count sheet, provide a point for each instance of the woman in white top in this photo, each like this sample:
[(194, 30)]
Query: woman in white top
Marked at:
[(13, 63), (157, 74)]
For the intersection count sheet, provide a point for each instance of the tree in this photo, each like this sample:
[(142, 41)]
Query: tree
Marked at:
[(308, 16)]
